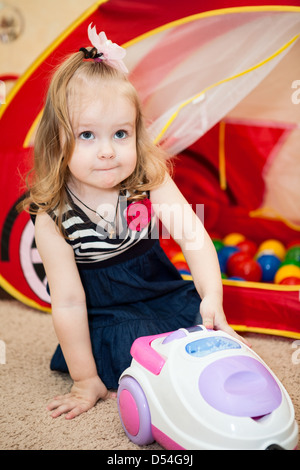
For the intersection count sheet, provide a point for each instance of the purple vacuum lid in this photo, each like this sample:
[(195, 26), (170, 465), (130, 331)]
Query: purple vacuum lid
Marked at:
[(239, 386)]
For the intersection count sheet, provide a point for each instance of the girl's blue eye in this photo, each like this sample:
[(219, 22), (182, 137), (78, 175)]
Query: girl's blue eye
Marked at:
[(120, 134), (87, 135)]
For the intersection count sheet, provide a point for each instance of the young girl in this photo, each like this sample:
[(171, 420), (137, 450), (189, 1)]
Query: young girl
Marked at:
[(99, 183)]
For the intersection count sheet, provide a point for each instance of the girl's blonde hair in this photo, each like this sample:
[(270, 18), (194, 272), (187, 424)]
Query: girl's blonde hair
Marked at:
[(54, 142)]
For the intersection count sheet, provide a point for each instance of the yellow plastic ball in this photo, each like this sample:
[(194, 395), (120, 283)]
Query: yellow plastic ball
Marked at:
[(178, 257), (233, 239), (274, 247), (288, 270)]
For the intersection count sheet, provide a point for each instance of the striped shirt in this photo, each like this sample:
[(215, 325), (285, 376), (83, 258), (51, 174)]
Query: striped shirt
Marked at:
[(92, 243)]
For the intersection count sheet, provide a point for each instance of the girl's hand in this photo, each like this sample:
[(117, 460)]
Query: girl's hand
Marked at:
[(213, 317), (83, 396)]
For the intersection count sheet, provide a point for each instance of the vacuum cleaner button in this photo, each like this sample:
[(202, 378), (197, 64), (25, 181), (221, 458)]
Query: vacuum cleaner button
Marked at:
[(204, 346)]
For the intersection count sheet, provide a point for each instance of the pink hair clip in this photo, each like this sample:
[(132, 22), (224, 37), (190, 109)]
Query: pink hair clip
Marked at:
[(107, 50)]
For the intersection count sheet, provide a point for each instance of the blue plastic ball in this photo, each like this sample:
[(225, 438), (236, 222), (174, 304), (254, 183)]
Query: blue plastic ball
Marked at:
[(269, 265), (236, 278)]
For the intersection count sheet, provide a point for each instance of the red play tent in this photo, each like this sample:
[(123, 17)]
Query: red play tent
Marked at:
[(220, 90)]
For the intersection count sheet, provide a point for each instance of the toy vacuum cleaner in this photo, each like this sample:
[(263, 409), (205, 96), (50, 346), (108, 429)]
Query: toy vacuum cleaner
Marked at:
[(203, 389)]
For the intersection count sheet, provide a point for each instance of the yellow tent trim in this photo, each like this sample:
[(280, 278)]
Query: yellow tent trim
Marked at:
[(207, 14), (225, 80), (261, 285), (266, 331), (21, 297), (27, 141), (269, 213), (252, 285), (222, 161)]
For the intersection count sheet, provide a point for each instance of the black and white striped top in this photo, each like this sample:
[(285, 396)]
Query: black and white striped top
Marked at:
[(91, 242)]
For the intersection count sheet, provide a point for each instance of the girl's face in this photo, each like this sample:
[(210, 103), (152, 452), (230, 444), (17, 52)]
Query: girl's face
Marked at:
[(103, 121)]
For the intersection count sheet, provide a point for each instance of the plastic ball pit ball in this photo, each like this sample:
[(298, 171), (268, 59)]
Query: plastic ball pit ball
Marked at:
[(247, 246), (288, 270), (170, 247), (218, 244), (233, 239), (269, 265), (272, 247), (290, 262), (234, 260), (182, 267), (178, 257), (291, 281), (224, 255), (285, 272), (249, 270), (293, 254), (242, 259)]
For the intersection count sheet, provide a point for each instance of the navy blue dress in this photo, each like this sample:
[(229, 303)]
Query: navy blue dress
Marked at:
[(137, 293)]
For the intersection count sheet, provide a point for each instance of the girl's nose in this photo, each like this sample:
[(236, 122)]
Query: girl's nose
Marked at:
[(106, 154), (106, 151)]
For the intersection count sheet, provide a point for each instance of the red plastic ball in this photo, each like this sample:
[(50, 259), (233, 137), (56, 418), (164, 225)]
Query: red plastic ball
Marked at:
[(290, 281), (234, 260), (170, 247), (249, 269), (181, 266), (248, 246)]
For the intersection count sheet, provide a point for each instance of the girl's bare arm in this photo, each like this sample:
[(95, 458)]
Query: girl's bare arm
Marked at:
[(70, 320)]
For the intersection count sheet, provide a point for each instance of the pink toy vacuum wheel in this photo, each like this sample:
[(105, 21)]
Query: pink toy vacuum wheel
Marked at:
[(134, 411)]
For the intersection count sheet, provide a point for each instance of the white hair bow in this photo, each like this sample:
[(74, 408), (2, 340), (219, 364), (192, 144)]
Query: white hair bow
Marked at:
[(109, 51)]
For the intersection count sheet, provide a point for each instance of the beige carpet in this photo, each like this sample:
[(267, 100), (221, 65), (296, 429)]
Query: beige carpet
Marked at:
[(27, 384)]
